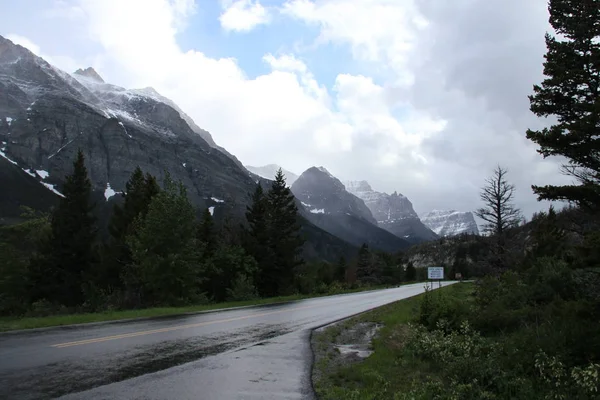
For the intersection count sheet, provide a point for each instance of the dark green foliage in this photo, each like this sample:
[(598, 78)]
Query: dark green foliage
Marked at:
[(229, 267), (206, 233), (115, 269), (242, 289), (571, 93), (18, 245), (411, 272), (285, 240), (60, 273), (257, 236), (14, 282), (165, 251), (369, 266), (549, 237)]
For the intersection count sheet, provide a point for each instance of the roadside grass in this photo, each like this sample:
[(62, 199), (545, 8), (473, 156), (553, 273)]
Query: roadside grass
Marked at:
[(389, 370), (16, 323)]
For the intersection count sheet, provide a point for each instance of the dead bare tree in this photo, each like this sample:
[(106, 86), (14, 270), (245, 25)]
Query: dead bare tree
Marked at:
[(498, 211)]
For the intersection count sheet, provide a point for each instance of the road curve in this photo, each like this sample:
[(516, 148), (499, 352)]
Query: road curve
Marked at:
[(251, 353)]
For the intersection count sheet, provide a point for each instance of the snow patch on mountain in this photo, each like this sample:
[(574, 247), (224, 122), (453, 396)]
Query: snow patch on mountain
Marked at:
[(108, 192), (51, 187), (450, 222)]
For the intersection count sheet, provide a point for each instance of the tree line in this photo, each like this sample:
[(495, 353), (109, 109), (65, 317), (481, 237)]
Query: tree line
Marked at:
[(158, 253)]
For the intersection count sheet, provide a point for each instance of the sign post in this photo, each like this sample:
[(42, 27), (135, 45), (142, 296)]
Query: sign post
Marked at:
[(436, 273)]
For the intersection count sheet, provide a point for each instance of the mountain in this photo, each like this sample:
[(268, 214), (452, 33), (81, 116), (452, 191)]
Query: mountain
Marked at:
[(269, 171), (394, 212), (341, 213), (46, 115), (450, 222)]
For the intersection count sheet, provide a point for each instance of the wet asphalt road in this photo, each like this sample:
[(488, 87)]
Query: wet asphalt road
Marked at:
[(251, 353)]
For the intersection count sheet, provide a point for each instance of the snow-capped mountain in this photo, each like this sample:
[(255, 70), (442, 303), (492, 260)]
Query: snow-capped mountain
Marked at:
[(47, 114), (450, 222), (393, 212), (269, 171), (335, 210)]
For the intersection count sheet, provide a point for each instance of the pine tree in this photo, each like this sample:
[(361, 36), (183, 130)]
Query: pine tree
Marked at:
[(206, 233), (139, 191), (165, 249), (59, 275), (365, 265), (285, 239), (571, 93), (340, 269), (257, 240), (549, 237), (411, 272)]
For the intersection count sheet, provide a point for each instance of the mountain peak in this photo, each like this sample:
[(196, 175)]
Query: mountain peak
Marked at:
[(450, 222), (357, 186), (268, 172), (91, 73)]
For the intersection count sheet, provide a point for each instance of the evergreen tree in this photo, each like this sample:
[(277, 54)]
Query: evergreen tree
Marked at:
[(257, 240), (340, 269), (411, 272), (285, 239), (549, 237), (68, 255), (364, 264), (139, 191), (165, 249), (571, 93), (206, 233)]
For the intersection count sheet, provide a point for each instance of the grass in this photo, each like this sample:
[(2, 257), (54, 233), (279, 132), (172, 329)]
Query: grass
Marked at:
[(13, 323), (389, 370)]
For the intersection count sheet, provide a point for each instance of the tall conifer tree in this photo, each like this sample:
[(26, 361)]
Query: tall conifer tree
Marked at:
[(285, 236), (60, 274), (571, 94)]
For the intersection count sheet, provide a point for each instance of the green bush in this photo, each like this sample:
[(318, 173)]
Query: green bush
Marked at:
[(242, 289)]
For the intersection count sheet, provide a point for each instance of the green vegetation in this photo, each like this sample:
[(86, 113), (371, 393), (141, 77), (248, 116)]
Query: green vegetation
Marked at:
[(389, 370), (529, 328)]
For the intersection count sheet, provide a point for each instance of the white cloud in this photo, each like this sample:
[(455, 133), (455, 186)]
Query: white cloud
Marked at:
[(64, 62), (243, 15), (25, 42), (441, 100)]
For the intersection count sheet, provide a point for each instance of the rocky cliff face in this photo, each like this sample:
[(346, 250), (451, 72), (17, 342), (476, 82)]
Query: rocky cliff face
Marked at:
[(47, 114), (393, 213), (269, 171), (322, 193), (341, 213), (451, 222)]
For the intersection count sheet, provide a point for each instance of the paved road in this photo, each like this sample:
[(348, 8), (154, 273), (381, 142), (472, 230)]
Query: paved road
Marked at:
[(251, 353)]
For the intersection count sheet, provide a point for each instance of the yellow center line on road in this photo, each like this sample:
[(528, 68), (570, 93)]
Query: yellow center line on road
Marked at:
[(175, 328)]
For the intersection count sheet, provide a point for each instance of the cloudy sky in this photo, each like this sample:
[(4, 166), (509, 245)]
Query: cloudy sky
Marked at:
[(420, 96)]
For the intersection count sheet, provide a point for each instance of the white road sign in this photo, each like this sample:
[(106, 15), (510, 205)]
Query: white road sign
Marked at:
[(435, 273)]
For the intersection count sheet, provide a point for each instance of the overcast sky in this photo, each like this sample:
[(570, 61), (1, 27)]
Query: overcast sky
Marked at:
[(423, 97)]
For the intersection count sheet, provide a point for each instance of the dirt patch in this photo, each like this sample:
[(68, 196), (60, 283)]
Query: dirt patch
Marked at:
[(341, 344)]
